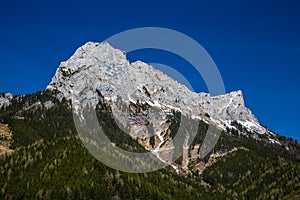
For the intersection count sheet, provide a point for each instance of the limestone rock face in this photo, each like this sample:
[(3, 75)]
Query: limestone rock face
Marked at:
[(139, 94), (107, 71)]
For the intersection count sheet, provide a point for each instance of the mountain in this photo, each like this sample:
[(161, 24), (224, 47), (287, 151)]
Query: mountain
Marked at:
[(140, 110), (108, 71), (99, 71)]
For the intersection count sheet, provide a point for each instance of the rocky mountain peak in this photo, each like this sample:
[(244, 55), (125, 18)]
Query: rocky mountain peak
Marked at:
[(106, 71), (93, 55), (238, 96)]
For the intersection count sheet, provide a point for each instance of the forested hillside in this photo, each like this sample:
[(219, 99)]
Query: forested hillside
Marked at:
[(49, 161)]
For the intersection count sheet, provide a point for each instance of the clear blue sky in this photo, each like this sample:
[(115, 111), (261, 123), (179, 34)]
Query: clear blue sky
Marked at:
[(255, 44)]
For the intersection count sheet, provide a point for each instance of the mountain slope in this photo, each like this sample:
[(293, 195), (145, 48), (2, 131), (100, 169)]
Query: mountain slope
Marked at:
[(62, 168)]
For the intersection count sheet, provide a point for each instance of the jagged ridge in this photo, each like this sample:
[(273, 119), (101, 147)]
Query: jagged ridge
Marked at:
[(108, 71)]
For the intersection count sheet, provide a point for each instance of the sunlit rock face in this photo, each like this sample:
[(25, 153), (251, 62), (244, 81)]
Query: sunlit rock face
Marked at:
[(139, 95)]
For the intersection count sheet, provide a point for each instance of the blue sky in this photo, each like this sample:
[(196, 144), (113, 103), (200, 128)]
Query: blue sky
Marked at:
[(255, 44)]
